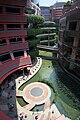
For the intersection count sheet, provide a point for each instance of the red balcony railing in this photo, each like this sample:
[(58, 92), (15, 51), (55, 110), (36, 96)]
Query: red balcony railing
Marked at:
[(13, 33), (13, 2), (13, 65), (12, 18), (11, 47)]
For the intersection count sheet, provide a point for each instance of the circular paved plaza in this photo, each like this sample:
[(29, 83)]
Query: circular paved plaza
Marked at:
[(36, 93)]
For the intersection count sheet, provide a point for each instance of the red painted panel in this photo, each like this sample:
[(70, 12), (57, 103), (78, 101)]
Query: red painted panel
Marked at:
[(13, 33), (13, 2), (13, 65), (11, 47), (12, 18)]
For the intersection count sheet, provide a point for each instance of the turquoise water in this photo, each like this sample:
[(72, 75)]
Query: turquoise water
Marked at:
[(67, 102)]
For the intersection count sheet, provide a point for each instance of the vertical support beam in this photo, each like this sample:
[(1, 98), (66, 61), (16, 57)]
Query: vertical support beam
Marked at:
[(48, 39), (12, 56), (7, 41), (23, 39), (4, 10), (25, 53), (21, 11), (22, 26), (5, 27), (0, 63)]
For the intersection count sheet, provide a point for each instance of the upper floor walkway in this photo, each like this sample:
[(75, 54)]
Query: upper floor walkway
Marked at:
[(47, 48)]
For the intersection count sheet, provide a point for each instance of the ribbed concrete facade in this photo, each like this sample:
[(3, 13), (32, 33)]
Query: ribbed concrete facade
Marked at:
[(13, 34), (69, 40)]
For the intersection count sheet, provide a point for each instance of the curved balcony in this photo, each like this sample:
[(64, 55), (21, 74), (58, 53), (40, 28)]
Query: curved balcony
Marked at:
[(14, 33), (65, 64), (12, 18), (69, 59), (14, 2), (75, 62), (11, 66), (11, 47), (30, 10), (70, 45), (72, 33)]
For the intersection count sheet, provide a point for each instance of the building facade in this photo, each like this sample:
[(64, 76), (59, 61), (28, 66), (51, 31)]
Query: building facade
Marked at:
[(13, 34), (56, 11), (69, 40), (32, 7), (45, 12)]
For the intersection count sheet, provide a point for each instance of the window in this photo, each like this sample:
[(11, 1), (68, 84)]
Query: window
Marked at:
[(13, 26), (13, 40), (1, 27), (13, 10), (3, 42), (72, 25), (25, 26), (18, 53), (5, 57), (0, 9)]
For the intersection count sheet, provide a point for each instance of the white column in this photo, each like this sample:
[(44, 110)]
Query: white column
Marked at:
[(25, 53), (12, 56)]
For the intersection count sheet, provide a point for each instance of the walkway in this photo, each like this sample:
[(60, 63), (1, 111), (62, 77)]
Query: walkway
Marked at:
[(47, 48), (48, 57), (24, 112)]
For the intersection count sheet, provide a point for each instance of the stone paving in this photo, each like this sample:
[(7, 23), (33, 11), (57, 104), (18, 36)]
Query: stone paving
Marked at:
[(24, 113)]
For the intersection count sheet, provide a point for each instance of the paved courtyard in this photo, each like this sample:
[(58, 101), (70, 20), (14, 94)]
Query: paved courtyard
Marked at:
[(35, 93)]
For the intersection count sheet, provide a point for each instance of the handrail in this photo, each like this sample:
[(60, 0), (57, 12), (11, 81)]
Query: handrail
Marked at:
[(11, 47), (13, 65)]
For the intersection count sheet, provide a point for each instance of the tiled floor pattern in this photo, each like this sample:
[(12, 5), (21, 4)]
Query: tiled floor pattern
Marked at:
[(10, 106)]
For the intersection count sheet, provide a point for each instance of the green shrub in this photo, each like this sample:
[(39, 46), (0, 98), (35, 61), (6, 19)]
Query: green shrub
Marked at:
[(35, 19), (34, 53), (68, 3), (34, 31), (48, 24), (33, 43)]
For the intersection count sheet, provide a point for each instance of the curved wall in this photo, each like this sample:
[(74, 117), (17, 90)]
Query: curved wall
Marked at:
[(13, 33), (12, 65), (69, 42)]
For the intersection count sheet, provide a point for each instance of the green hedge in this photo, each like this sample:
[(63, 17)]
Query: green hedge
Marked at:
[(37, 31), (33, 53), (33, 43), (48, 29), (48, 24), (34, 31), (35, 19)]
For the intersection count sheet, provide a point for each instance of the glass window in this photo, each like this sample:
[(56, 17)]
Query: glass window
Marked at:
[(5, 57), (13, 26), (13, 10), (0, 9), (3, 42), (1, 27), (72, 25), (18, 53)]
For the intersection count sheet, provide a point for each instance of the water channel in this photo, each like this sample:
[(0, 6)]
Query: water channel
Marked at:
[(68, 99)]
